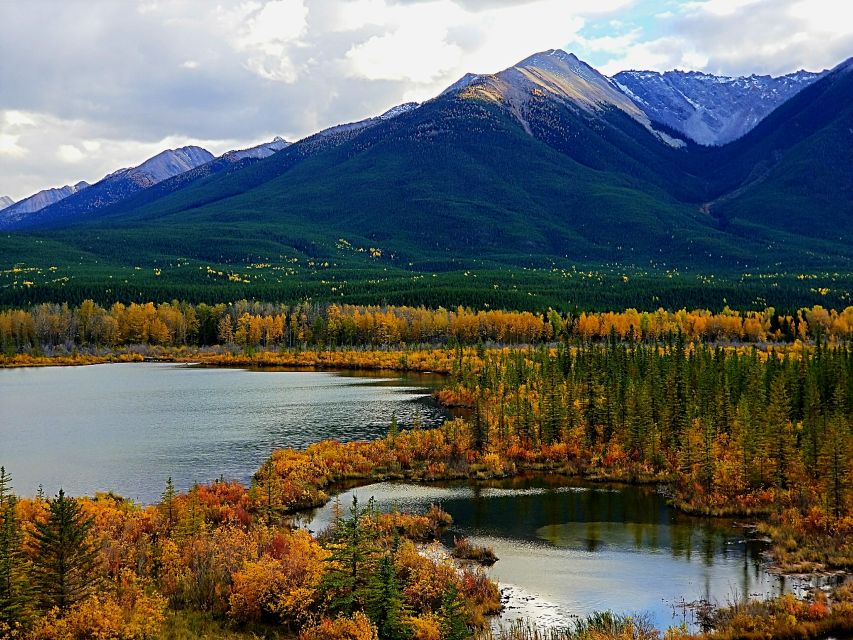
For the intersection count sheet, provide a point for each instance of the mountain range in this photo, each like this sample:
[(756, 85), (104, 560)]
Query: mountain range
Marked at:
[(123, 183), (548, 160), (711, 110)]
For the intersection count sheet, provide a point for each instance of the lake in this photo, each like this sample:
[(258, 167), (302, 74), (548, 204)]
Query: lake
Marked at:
[(568, 548), (128, 427), (565, 548)]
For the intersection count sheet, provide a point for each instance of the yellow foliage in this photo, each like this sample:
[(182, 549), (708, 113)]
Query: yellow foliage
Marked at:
[(358, 627)]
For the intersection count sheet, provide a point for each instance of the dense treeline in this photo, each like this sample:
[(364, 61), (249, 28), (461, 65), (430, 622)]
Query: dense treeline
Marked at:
[(431, 285), (255, 324), (742, 430)]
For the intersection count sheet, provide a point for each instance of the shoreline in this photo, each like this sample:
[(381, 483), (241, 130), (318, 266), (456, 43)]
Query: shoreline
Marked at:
[(341, 361)]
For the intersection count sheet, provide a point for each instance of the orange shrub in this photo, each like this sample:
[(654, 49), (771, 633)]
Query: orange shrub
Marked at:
[(358, 627)]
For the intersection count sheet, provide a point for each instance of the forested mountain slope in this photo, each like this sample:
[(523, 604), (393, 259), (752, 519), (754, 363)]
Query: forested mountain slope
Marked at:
[(545, 163)]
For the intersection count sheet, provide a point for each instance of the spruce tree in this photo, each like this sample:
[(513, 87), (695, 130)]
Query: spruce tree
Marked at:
[(64, 564), (351, 563), (453, 625), (13, 592), (168, 502), (780, 432), (192, 523), (385, 605)]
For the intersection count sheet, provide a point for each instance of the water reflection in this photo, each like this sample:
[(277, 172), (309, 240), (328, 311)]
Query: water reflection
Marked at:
[(567, 548), (127, 427)]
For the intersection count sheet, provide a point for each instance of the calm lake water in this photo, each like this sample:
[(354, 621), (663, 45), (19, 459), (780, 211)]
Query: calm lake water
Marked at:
[(127, 427), (567, 549)]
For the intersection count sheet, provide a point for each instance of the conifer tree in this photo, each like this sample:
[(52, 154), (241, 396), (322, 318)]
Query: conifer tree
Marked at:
[(65, 560), (168, 502), (453, 625), (192, 523), (385, 606), (834, 464), (351, 563), (780, 432), (393, 428), (13, 588)]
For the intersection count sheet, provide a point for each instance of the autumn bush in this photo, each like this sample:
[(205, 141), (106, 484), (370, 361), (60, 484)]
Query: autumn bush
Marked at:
[(103, 617), (357, 627), (464, 549), (282, 584)]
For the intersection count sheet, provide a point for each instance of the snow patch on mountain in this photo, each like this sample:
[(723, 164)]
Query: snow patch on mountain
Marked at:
[(399, 110), (258, 152), (712, 110), (5, 201), (39, 201), (349, 127), (561, 76)]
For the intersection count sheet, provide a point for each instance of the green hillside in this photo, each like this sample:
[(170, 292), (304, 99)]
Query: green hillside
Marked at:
[(466, 197)]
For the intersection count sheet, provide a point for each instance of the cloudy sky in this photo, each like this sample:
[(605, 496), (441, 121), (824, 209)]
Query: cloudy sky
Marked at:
[(88, 86)]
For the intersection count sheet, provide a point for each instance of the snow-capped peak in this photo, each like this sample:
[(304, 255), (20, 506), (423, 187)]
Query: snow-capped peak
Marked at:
[(5, 201), (399, 110), (708, 108), (263, 150), (845, 67), (172, 162)]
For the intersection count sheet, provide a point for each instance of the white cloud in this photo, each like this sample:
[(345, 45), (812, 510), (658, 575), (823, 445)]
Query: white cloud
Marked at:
[(430, 44), (721, 7), (69, 153), (739, 37), (9, 146), (267, 33), (118, 86)]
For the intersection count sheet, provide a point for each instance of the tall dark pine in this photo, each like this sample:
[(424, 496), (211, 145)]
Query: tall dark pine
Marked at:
[(453, 625), (168, 503), (64, 565), (13, 594), (385, 605), (351, 563)]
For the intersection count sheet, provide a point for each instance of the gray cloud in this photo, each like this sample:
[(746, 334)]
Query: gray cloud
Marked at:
[(87, 86)]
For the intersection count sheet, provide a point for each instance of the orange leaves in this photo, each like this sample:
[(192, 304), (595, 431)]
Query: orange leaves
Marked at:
[(281, 584), (426, 576), (415, 527), (357, 627), (252, 325), (103, 617), (224, 502), (425, 627)]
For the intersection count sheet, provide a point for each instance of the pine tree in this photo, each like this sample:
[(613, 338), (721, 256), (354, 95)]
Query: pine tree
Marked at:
[(168, 502), (351, 563), (64, 564), (479, 427), (271, 492), (13, 592), (393, 428), (385, 606), (192, 523), (453, 625), (835, 457), (780, 432)]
